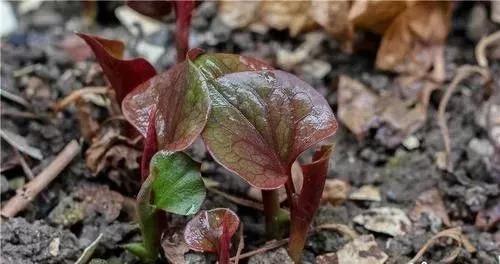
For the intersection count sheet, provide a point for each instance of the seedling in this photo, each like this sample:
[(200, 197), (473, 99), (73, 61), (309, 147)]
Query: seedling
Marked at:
[(175, 186), (254, 120), (211, 231)]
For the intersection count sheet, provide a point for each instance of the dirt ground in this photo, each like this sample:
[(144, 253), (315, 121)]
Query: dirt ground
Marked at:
[(80, 204)]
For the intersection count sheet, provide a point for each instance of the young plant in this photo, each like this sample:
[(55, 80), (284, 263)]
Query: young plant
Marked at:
[(211, 231), (174, 185)]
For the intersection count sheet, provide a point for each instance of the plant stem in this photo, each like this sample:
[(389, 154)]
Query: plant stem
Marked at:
[(272, 209), (298, 234), (148, 219)]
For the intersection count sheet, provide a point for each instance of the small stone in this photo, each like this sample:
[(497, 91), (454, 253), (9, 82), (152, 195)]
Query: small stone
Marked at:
[(54, 247), (362, 250), (411, 143), (279, 255), (481, 146), (387, 220), (4, 184), (440, 160), (316, 68), (366, 193)]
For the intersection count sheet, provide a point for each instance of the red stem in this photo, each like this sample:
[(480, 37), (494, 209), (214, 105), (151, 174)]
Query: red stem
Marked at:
[(150, 145), (224, 243), (183, 15)]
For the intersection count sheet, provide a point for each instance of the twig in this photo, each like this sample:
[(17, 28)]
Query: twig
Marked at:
[(480, 49), (78, 94), (269, 246), (237, 200), (462, 73), (89, 251), (241, 245), (29, 191), (14, 98), (20, 143), (453, 233), (24, 165)]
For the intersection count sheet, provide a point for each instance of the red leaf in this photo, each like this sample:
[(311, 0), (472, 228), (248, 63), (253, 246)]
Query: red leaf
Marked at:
[(124, 75), (260, 122), (182, 106), (183, 13), (150, 146), (305, 206), (155, 9), (205, 231)]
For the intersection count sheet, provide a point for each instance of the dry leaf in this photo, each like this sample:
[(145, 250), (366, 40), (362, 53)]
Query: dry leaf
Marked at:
[(362, 250), (174, 248), (291, 15), (238, 14), (409, 43), (333, 17), (375, 16), (335, 191), (430, 203), (387, 220), (100, 199), (366, 193), (488, 218)]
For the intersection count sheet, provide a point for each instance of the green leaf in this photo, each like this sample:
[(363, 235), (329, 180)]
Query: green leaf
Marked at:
[(177, 184), (261, 121), (140, 251)]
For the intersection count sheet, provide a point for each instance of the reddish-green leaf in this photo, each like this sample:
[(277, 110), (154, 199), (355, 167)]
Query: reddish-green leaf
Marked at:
[(261, 121), (124, 75), (182, 106), (205, 231), (305, 206), (150, 146)]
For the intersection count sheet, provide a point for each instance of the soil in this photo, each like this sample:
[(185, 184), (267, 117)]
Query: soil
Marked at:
[(59, 224)]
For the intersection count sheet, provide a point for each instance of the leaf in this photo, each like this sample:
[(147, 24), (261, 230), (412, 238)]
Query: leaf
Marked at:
[(205, 230), (182, 106), (154, 9), (124, 75), (362, 250), (388, 220), (177, 184), (150, 146), (305, 206), (261, 122)]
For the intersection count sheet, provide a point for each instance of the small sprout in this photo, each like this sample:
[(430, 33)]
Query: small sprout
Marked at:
[(211, 231), (124, 75), (175, 186)]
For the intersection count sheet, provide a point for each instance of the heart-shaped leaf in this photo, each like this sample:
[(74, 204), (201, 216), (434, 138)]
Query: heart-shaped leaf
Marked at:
[(182, 106), (261, 121), (206, 230), (177, 185), (124, 75)]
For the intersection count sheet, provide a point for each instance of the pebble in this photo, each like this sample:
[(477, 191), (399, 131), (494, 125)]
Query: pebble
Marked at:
[(481, 146), (411, 143)]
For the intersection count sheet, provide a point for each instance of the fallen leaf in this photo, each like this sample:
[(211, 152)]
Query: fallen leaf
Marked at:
[(154, 9), (362, 250), (238, 14), (387, 220), (356, 106), (335, 191), (88, 125), (366, 193), (174, 248), (111, 150), (430, 203), (408, 43), (291, 15), (100, 199), (333, 17), (360, 110)]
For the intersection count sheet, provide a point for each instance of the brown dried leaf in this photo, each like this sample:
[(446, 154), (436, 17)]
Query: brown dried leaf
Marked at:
[(375, 16), (366, 193), (109, 149), (430, 203), (362, 250), (238, 14), (290, 15), (488, 218), (174, 248), (333, 17), (100, 199), (408, 44)]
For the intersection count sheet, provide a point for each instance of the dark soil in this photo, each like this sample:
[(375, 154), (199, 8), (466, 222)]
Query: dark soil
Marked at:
[(57, 226)]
